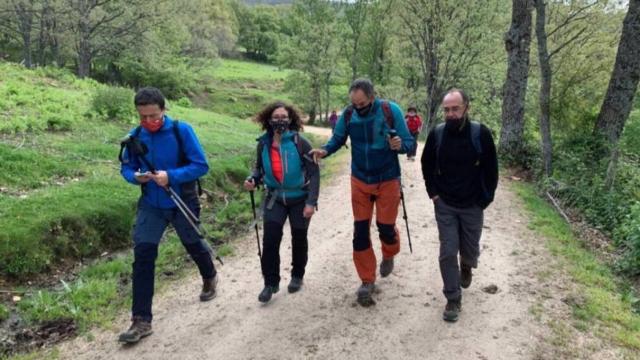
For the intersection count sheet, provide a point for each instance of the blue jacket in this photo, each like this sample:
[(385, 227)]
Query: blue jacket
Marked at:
[(301, 176), (372, 161), (163, 155)]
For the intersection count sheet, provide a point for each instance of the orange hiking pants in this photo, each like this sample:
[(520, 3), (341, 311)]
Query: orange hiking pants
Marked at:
[(386, 197)]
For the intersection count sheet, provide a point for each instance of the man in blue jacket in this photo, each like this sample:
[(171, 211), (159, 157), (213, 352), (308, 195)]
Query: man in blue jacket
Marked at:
[(378, 134), (178, 160)]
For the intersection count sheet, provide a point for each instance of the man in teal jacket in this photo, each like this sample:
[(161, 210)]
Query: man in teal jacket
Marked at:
[(378, 134)]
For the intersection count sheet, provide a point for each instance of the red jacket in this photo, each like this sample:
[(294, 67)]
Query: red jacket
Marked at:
[(414, 123)]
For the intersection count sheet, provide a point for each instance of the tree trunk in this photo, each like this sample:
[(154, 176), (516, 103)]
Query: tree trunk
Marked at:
[(517, 41), (545, 88), (623, 84), (25, 24)]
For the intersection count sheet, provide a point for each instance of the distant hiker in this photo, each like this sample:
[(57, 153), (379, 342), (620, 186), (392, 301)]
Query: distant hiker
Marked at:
[(292, 182), (414, 123), (333, 119), (460, 170), (372, 125), (174, 150)]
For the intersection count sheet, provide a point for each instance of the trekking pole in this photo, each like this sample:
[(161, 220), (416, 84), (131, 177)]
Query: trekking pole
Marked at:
[(192, 219), (255, 222), (392, 134)]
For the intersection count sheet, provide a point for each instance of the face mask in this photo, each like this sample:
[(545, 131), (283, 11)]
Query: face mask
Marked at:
[(279, 125), (453, 124), (363, 111), (152, 125)]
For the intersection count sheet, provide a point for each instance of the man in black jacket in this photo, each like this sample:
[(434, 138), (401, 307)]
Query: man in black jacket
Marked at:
[(460, 169)]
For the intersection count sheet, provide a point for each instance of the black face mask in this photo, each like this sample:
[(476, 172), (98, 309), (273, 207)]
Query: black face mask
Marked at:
[(454, 124), (279, 126), (363, 111)]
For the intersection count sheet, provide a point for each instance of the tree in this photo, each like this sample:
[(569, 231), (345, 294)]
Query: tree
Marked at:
[(568, 34), (447, 37), (517, 41), (259, 31), (623, 84), (355, 16)]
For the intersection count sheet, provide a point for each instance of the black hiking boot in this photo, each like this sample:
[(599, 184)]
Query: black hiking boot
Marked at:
[(295, 284), (386, 267), (208, 288), (365, 292), (465, 275), (266, 293), (452, 310), (139, 329)]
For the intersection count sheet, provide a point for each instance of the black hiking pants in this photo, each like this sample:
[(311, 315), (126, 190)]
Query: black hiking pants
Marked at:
[(274, 219)]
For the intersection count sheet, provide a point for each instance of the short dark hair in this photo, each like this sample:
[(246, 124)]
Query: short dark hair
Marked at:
[(264, 115), (465, 97), (412, 107), (149, 96), (362, 84)]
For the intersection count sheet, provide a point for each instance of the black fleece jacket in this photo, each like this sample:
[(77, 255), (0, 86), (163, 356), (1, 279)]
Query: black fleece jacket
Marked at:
[(461, 179)]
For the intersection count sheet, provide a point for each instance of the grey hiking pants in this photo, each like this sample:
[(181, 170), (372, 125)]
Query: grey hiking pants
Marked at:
[(459, 231)]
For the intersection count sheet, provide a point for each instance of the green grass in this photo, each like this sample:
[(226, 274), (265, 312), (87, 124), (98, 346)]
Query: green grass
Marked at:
[(245, 70), (603, 305), (4, 313)]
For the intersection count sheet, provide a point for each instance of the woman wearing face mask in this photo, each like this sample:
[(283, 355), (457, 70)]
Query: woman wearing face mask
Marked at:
[(292, 183)]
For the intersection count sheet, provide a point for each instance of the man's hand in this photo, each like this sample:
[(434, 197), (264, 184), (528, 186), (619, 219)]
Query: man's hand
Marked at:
[(161, 178), (317, 154), (249, 184), (395, 143), (308, 211), (142, 178)]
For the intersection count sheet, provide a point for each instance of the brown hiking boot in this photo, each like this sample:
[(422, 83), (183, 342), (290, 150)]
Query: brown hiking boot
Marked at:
[(365, 292), (452, 310), (386, 267), (139, 329), (465, 276), (208, 288)]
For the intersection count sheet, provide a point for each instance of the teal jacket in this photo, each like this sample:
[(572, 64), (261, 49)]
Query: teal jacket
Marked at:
[(372, 161), (301, 176)]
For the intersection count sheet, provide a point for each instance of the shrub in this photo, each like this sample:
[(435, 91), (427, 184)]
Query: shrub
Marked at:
[(114, 103)]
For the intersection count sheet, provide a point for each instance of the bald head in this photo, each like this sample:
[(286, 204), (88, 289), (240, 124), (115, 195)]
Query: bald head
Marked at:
[(455, 104)]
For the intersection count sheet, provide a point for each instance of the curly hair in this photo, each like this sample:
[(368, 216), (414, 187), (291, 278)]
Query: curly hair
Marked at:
[(264, 115)]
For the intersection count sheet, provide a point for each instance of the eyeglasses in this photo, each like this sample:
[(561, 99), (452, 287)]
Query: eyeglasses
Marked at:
[(452, 109)]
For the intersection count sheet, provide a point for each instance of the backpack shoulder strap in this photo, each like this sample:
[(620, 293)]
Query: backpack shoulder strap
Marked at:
[(298, 142), (136, 132), (176, 132), (475, 137), (388, 115), (348, 112)]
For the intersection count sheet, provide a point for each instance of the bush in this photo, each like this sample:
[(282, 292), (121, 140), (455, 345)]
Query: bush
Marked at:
[(184, 102), (114, 103), (628, 233)]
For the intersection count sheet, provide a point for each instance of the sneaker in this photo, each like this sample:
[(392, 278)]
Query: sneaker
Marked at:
[(208, 288), (295, 284), (386, 267), (452, 310), (139, 329), (365, 291), (266, 293), (465, 275)]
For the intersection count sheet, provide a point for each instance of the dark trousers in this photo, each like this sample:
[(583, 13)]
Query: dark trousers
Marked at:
[(149, 227), (412, 151), (274, 219), (459, 231)]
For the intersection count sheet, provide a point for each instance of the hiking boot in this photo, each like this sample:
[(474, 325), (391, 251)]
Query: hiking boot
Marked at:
[(365, 291), (139, 329), (208, 288), (452, 310), (266, 293), (295, 284), (465, 275), (386, 267)]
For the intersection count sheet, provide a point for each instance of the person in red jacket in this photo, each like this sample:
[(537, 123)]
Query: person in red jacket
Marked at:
[(414, 123)]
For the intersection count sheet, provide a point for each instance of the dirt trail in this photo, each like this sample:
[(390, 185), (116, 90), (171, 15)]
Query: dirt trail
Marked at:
[(324, 322)]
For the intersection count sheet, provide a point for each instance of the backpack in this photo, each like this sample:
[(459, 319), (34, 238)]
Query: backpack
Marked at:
[(189, 188), (386, 109), (475, 140)]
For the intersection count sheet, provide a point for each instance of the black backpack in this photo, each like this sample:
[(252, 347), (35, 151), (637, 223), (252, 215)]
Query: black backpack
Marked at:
[(475, 141)]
